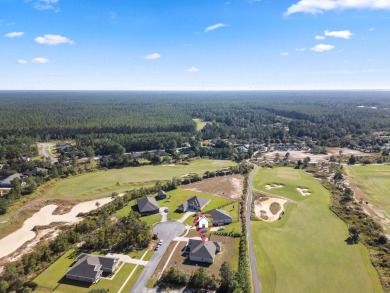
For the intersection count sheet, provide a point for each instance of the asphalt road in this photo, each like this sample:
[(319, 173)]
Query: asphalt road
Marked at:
[(45, 153), (255, 276), (167, 231)]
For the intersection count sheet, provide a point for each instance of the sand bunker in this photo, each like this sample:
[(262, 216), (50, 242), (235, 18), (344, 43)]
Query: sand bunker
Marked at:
[(304, 191), (263, 211), (272, 186), (44, 217)]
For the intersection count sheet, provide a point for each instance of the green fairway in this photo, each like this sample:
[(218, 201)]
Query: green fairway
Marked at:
[(52, 279), (374, 182), (116, 180), (199, 124), (174, 199), (306, 250)]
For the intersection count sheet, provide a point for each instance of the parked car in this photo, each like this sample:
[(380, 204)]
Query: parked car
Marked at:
[(221, 228), (166, 210)]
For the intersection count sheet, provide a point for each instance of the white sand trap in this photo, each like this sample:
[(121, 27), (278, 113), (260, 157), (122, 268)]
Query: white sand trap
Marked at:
[(304, 191), (45, 217), (272, 186), (262, 208)]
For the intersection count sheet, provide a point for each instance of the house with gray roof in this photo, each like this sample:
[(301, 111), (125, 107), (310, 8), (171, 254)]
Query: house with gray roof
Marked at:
[(148, 206), (202, 251), (161, 194), (7, 182), (220, 217), (194, 203), (89, 268)]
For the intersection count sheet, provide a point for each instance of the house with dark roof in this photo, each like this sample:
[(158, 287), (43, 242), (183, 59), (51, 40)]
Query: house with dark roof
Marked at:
[(37, 171), (63, 145), (148, 206), (161, 194), (202, 251), (194, 203), (7, 182), (89, 268), (220, 217)]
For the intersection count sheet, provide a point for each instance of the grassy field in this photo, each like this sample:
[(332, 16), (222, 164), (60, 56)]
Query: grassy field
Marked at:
[(306, 250), (116, 180), (173, 200), (374, 183), (199, 124), (52, 279)]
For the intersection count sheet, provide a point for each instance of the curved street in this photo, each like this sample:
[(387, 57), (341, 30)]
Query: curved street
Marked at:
[(255, 276), (46, 153), (167, 231)]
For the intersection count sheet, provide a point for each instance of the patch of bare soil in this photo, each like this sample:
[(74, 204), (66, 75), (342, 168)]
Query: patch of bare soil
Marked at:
[(226, 186), (348, 152)]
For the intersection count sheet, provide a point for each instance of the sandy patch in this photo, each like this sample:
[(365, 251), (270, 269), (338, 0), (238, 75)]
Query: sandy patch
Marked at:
[(272, 186), (224, 186), (304, 191), (44, 217), (169, 165), (348, 152), (263, 211)]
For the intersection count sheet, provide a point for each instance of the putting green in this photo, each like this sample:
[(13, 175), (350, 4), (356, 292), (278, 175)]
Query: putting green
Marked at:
[(306, 251)]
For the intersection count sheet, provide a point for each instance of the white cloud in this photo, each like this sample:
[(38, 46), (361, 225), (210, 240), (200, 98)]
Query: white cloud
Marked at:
[(300, 49), (21, 61), (372, 29), (214, 27), (40, 60), (152, 56), (192, 69), (345, 34), (318, 37), (319, 6), (14, 35), (53, 40), (46, 5), (284, 54), (322, 48)]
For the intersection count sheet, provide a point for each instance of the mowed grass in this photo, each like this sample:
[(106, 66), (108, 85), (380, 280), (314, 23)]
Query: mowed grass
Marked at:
[(52, 279), (101, 183), (374, 182), (200, 124), (306, 251)]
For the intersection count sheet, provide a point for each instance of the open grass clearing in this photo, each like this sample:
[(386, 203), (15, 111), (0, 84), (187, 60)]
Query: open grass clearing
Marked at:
[(116, 180), (373, 185), (52, 279), (200, 124), (306, 251), (224, 186)]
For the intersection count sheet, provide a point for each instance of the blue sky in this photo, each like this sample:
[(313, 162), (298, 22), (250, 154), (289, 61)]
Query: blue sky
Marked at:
[(194, 44)]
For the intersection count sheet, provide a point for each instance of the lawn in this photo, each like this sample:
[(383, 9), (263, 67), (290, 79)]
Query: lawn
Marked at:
[(52, 279), (174, 199), (306, 250), (200, 124), (374, 182), (116, 180)]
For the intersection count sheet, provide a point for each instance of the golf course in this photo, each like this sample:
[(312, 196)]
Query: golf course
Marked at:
[(101, 183), (374, 182), (305, 251)]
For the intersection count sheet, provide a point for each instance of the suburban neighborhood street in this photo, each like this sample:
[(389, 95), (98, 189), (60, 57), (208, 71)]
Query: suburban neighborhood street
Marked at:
[(46, 153), (166, 231), (255, 276)]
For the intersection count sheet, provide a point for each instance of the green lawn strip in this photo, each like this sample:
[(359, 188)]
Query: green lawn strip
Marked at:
[(132, 280), (374, 182), (52, 279), (306, 251), (117, 180)]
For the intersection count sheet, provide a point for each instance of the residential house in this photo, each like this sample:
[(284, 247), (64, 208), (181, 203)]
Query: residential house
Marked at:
[(204, 222), (89, 268), (37, 171), (148, 206), (161, 194), (7, 182), (194, 203), (63, 145), (202, 251), (220, 217)]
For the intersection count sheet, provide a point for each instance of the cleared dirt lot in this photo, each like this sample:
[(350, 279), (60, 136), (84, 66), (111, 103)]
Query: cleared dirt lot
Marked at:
[(227, 186)]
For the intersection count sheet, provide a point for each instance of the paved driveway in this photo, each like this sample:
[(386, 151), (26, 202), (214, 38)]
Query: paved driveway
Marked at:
[(45, 152), (166, 231)]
